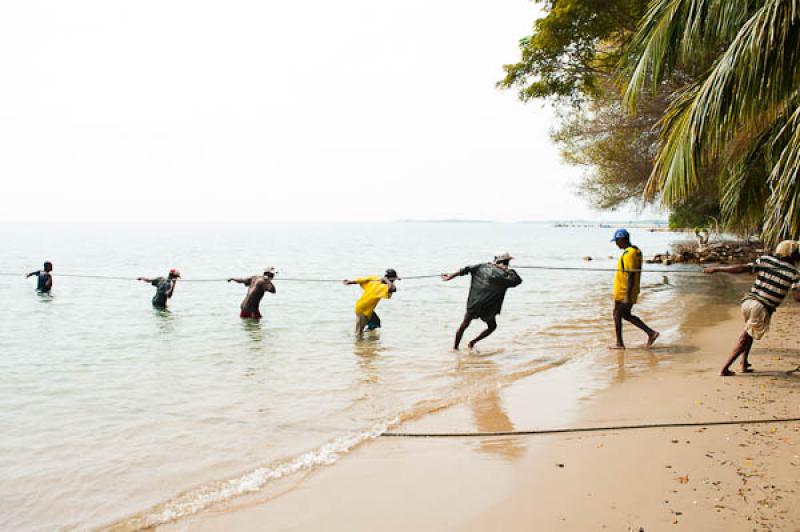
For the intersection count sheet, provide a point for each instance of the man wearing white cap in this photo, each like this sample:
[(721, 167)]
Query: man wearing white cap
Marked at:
[(256, 285), (486, 294), (776, 275)]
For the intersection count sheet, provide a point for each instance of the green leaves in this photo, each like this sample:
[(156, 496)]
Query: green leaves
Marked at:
[(747, 100), (571, 47)]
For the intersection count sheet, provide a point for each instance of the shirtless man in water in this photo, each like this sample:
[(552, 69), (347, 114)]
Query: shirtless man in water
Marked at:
[(256, 286)]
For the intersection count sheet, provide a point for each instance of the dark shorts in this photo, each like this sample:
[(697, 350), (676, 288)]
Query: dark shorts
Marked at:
[(250, 314), (477, 315), (374, 322)]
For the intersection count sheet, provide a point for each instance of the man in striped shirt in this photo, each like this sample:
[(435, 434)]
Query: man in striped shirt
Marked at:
[(776, 276)]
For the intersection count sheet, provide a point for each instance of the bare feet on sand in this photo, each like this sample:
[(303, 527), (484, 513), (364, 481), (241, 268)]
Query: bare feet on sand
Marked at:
[(471, 347), (652, 338), (726, 373), (618, 346)]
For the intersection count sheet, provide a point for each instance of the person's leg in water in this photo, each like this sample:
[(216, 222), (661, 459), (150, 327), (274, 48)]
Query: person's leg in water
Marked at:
[(622, 311), (461, 328), (742, 347), (491, 326), (618, 325), (361, 324)]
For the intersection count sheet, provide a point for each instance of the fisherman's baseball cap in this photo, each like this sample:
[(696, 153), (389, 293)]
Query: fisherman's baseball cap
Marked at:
[(503, 257), (787, 248), (391, 274), (621, 233), (270, 269)]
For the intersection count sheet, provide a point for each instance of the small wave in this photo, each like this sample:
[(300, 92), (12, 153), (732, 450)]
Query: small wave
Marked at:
[(191, 502)]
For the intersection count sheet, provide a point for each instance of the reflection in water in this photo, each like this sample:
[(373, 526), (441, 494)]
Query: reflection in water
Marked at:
[(487, 406), (637, 360), (165, 320), (253, 329), (367, 350), (44, 297)]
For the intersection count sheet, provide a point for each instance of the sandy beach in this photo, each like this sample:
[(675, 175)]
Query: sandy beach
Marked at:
[(735, 477)]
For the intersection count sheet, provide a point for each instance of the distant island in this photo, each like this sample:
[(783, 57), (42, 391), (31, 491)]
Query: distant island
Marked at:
[(557, 223)]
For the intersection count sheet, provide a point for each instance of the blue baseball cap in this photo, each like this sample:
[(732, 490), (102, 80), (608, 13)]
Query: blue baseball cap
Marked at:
[(621, 233)]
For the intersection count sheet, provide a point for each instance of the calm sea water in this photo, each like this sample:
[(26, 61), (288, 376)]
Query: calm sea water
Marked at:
[(114, 412)]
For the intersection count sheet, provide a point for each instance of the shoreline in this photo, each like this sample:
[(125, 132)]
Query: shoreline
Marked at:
[(574, 482), (736, 477)]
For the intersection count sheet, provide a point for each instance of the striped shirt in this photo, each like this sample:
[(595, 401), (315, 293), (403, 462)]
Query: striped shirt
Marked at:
[(773, 281)]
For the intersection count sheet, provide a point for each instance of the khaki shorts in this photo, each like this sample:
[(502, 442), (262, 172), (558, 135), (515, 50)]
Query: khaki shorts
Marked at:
[(756, 318)]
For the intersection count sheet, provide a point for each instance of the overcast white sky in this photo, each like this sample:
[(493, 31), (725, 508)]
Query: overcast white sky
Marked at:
[(274, 111)]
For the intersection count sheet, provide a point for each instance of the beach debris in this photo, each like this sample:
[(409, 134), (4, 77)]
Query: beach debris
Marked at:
[(560, 465), (727, 252), (683, 479)]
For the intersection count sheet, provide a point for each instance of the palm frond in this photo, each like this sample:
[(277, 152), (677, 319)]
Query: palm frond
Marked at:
[(757, 74), (782, 216), (678, 30)]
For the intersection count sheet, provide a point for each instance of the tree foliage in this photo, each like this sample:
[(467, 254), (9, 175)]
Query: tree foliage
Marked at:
[(572, 58), (572, 48), (740, 116), (615, 148)]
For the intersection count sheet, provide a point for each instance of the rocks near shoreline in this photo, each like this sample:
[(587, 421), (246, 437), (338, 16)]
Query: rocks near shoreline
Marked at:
[(724, 252)]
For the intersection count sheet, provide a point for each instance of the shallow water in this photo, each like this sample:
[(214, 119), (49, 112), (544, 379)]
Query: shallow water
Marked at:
[(117, 413)]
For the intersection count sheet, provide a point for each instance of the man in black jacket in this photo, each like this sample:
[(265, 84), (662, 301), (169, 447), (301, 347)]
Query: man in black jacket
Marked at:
[(486, 294)]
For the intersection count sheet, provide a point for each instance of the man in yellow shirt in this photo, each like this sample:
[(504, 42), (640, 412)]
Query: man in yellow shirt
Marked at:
[(375, 288), (626, 288)]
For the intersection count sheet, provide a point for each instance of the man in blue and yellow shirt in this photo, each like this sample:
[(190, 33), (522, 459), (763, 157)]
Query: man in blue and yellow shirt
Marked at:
[(375, 288), (626, 288)]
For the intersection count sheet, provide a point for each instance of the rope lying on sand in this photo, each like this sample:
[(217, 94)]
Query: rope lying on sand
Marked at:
[(405, 278), (585, 429)]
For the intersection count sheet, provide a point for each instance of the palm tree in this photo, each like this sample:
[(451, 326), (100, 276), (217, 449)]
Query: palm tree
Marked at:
[(737, 122)]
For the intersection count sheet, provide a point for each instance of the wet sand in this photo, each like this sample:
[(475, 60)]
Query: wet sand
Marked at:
[(737, 477)]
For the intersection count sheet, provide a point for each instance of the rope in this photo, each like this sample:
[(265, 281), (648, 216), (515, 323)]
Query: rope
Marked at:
[(583, 429), (404, 278), (574, 268)]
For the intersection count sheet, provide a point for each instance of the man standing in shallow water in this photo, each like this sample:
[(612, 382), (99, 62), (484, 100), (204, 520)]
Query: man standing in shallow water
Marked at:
[(626, 288), (375, 288), (164, 288), (486, 294), (776, 276), (256, 285), (44, 278)]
